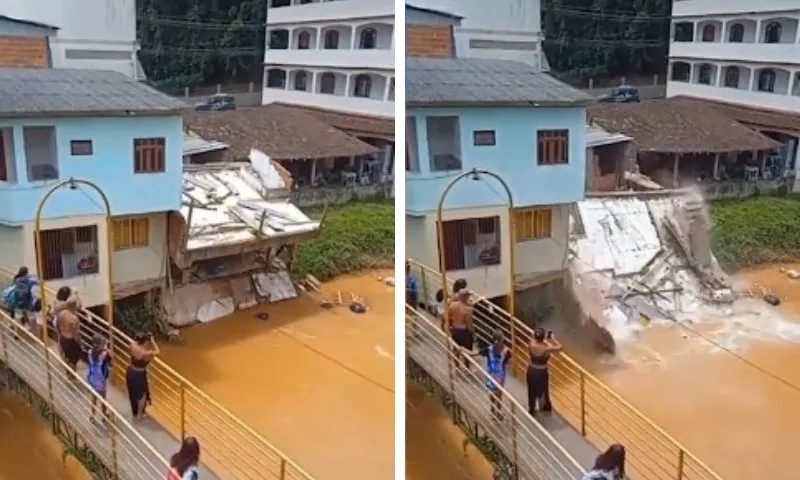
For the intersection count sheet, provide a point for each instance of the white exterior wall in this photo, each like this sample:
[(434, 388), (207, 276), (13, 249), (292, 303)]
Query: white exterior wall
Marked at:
[(129, 265), (531, 258), (504, 29), (348, 61), (96, 34), (751, 56)]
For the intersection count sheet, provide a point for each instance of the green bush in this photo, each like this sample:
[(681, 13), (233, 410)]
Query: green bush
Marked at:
[(354, 236), (755, 230)]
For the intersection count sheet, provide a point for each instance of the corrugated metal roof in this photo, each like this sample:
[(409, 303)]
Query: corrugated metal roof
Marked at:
[(597, 137), (194, 145), (28, 22), (477, 81), (46, 91)]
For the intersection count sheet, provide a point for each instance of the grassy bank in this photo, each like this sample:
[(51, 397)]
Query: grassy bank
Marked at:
[(755, 230), (355, 235)]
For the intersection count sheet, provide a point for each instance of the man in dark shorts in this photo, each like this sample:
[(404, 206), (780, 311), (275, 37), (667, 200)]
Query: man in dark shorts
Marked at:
[(459, 318), (69, 334)]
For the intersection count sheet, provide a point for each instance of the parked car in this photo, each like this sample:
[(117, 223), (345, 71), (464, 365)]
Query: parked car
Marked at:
[(622, 94), (217, 102)]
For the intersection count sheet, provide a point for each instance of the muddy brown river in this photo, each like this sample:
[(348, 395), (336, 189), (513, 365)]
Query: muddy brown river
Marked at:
[(728, 390), (27, 448), (317, 383)]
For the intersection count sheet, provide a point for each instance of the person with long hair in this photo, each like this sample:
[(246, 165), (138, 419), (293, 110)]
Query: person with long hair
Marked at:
[(22, 297), (142, 351), (184, 464), (497, 357), (538, 376), (99, 371), (609, 465)]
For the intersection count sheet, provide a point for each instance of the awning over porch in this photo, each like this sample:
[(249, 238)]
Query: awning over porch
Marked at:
[(679, 126)]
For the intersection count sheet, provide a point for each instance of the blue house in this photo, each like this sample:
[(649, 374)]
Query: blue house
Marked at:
[(508, 118), (101, 126)]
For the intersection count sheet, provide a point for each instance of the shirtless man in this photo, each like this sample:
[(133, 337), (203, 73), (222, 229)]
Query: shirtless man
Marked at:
[(69, 333), (459, 319)]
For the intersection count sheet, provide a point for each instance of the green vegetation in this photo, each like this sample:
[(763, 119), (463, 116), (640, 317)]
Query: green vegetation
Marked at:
[(755, 230), (355, 235)]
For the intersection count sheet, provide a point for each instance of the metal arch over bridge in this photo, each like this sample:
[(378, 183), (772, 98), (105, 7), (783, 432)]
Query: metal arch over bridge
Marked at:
[(231, 450), (588, 415)]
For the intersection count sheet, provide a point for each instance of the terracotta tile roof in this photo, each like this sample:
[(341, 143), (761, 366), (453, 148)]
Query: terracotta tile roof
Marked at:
[(678, 125), (280, 131), (364, 125), (757, 117)]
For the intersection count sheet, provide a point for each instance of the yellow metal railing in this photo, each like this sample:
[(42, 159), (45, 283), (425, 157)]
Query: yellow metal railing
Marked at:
[(230, 448), (601, 415), (120, 448), (524, 442)]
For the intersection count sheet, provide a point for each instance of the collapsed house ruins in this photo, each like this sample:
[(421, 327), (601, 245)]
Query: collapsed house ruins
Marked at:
[(641, 257)]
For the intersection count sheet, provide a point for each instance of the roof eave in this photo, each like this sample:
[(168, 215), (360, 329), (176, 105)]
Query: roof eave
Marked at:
[(501, 103), (92, 113)]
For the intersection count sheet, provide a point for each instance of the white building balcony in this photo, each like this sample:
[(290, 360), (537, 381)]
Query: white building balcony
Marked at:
[(366, 44), (694, 8), (361, 92), (756, 85), (285, 12), (779, 53)]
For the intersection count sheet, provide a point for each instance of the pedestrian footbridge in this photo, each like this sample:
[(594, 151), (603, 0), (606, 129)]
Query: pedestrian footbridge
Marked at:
[(121, 449), (588, 416)]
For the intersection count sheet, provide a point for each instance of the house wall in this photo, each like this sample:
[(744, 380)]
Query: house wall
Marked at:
[(513, 157), (93, 34), (531, 258), (129, 265), (110, 166), (429, 41), (24, 52)]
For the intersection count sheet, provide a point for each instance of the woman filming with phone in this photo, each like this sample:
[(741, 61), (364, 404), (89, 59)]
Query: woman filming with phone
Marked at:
[(541, 347), (142, 351)]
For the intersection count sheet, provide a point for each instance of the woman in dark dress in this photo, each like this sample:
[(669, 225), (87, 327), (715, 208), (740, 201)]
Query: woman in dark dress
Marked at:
[(142, 351)]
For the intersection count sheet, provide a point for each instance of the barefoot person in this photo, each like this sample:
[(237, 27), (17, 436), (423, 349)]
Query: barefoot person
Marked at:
[(459, 316), (142, 351), (69, 333), (99, 370), (538, 376), (497, 357)]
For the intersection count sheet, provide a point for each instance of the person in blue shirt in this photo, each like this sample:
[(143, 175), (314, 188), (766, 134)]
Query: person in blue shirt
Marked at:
[(497, 357), (22, 298), (412, 294), (99, 371)]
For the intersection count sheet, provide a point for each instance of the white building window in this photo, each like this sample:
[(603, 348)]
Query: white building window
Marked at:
[(301, 81), (709, 32), (331, 40), (363, 86), (732, 77), (369, 39), (327, 83), (304, 40), (704, 75), (736, 34), (681, 71), (772, 34), (766, 80)]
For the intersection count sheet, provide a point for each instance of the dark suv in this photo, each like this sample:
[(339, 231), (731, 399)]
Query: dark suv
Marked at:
[(217, 102), (622, 94)]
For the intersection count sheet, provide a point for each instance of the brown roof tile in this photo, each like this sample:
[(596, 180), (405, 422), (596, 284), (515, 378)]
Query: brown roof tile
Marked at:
[(757, 117), (280, 131), (364, 125), (678, 125)]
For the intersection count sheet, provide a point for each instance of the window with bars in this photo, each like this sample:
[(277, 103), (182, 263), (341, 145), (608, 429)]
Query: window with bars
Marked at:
[(132, 232), (552, 147), (471, 243), (149, 155), (533, 224), (69, 252)]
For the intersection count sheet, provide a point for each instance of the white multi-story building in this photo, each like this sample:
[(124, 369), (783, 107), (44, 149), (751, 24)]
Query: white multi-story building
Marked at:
[(334, 55), (745, 57), (91, 34), (737, 51), (501, 29)]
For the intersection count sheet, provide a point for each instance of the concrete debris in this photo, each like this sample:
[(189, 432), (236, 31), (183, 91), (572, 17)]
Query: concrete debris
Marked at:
[(647, 257)]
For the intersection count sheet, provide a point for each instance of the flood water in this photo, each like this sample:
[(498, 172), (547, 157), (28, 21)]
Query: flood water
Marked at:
[(27, 448), (318, 383), (713, 385), (435, 448)]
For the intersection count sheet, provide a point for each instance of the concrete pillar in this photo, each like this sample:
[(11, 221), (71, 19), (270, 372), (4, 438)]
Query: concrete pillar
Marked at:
[(20, 163), (675, 171), (716, 166)]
